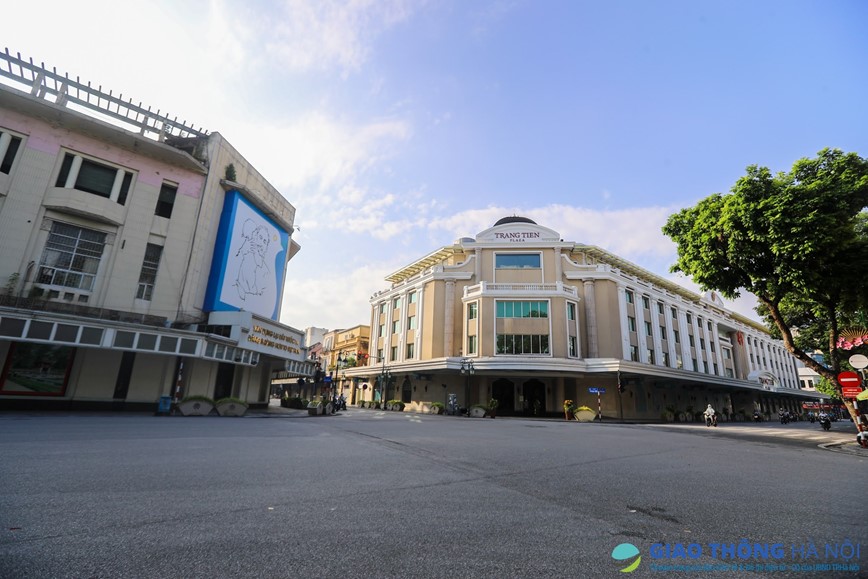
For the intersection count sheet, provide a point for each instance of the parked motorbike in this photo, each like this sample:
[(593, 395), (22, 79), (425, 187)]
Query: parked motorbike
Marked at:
[(826, 422), (711, 420)]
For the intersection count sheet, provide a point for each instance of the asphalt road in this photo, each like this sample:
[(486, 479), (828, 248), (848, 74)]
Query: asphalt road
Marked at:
[(376, 494)]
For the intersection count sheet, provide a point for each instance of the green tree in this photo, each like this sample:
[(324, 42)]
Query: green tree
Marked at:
[(796, 240)]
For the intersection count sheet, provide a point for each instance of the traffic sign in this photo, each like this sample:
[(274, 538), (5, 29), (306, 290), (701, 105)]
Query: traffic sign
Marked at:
[(858, 361), (849, 379), (597, 390), (851, 391)]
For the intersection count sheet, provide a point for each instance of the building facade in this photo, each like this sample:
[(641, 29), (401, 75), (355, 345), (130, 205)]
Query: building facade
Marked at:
[(141, 257), (521, 316)]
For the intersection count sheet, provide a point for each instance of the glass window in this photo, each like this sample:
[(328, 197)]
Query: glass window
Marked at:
[(71, 257), (529, 309), (396, 327), (650, 356), (411, 351), (411, 297), (94, 177), (471, 344), (689, 319), (677, 336), (629, 295), (691, 341), (674, 314), (634, 353), (394, 353), (666, 359), (517, 261), (166, 200), (148, 275), (647, 328), (472, 311), (571, 311), (522, 344), (662, 332), (646, 303), (396, 303), (411, 323), (382, 330), (574, 351), (631, 323), (660, 308)]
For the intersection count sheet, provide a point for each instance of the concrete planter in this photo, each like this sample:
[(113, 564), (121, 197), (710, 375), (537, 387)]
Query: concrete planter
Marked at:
[(195, 408), (477, 412), (231, 409), (585, 415), (314, 408)]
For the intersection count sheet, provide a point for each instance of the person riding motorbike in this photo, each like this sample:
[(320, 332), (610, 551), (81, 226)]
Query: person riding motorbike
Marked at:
[(825, 421), (710, 416)]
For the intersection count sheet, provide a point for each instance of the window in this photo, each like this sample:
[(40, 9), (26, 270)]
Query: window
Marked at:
[(650, 356), (662, 332), (380, 357), (571, 311), (629, 296), (691, 341), (396, 303), (689, 319), (712, 346), (709, 326), (411, 297), (535, 309), (646, 303), (574, 351), (411, 351), (701, 343), (674, 314), (677, 336), (660, 308), (383, 308), (666, 359), (729, 373), (382, 331), (396, 327), (166, 200), (522, 344), (471, 344), (71, 257), (727, 354), (394, 353), (705, 366), (517, 261), (631, 323), (411, 323), (647, 328), (89, 176), (472, 311), (148, 275), (715, 370), (8, 149), (634, 353)]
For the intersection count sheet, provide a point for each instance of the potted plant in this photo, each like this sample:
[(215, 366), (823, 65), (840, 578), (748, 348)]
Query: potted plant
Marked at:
[(437, 408), (569, 409), (584, 414), (492, 407), (196, 406), (231, 407)]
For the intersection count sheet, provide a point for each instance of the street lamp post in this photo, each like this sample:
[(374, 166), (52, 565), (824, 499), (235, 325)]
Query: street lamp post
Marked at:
[(385, 377), (467, 370)]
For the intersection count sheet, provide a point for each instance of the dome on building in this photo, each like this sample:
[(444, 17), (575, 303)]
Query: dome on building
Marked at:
[(514, 219)]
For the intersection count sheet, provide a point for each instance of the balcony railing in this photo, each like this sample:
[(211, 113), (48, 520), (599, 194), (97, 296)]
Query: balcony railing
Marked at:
[(72, 309), (486, 288)]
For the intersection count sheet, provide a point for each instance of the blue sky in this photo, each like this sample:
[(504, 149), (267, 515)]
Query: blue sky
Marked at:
[(396, 127)]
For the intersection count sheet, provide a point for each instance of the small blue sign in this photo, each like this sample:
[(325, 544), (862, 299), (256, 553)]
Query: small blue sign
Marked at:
[(597, 390)]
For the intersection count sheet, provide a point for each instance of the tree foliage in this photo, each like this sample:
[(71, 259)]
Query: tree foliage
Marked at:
[(797, 240)]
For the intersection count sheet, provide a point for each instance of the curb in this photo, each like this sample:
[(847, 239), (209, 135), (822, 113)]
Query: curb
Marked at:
[(851, 448)]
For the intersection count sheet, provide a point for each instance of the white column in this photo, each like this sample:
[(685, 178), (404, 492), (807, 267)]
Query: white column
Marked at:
[(419, 309), (5, 139), (73, 172), (642, 339), (591, 318), (449, 322), (622, 317), (670, 330), (116, 186)]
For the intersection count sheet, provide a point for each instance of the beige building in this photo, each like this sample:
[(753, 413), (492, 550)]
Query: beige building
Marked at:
[(141, 257), (522, 316)]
